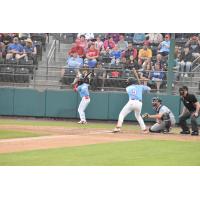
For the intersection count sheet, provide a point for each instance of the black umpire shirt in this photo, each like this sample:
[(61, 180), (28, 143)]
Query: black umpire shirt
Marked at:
[(189, 102)]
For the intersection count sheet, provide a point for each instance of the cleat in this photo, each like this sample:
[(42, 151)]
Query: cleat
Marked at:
[(195, 133), (145, 131), (185, 132), (116, 130), (82, 122)]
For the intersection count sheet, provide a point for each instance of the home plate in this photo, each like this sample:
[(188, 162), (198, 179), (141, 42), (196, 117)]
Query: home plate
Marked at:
[(102, 132)]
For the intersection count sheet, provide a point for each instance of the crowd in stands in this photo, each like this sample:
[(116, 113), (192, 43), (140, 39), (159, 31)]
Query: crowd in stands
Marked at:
[(120, 53), (17, 50), (19, 47)]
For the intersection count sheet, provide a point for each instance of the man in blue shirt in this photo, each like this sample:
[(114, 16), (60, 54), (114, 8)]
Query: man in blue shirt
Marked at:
[(15, 50), (134, 104), (82, 88), (74, 63), (164, 46)]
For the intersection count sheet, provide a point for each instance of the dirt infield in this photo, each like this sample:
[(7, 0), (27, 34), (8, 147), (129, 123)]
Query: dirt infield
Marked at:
[(66, 137)]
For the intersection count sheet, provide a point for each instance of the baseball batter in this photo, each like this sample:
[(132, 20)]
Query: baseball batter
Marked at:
[(82, 88), (134, 104)]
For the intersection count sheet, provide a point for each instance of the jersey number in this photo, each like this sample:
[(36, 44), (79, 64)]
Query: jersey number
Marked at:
[(134, 92)]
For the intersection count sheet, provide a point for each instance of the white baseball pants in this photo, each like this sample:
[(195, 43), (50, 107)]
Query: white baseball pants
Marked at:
[(135, 106), (82, 106)]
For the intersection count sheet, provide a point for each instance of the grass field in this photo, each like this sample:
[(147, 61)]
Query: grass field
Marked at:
[(7, 134), (140, 153), (132, 153)]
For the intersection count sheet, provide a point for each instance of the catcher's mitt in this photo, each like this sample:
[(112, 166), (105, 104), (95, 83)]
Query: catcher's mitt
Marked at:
[(145, 116)]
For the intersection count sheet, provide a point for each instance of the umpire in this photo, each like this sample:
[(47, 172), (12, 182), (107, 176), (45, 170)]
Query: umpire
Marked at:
[(190, 110)]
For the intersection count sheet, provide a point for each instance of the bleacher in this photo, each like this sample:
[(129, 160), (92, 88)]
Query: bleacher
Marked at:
[(14, 71), (105, 76)]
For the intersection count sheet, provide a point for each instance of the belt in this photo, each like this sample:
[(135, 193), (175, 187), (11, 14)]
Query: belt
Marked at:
[(86, 97), (137, 100)]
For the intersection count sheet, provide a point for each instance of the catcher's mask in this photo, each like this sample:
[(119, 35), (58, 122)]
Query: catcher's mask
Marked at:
[(156, 101), (131, 81), (182, 90)]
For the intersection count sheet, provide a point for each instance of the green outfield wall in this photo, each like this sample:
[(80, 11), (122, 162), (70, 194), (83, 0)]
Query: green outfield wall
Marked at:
[(64, 104)]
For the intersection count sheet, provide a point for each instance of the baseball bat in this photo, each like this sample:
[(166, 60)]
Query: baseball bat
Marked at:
[(136, 75)]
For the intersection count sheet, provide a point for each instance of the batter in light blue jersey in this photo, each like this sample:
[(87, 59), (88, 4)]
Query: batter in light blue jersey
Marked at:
[(82, 88), (134, 104)]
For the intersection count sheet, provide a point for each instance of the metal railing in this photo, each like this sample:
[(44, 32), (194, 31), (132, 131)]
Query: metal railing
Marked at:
[(52, 53), (197, 67), (101, 79)]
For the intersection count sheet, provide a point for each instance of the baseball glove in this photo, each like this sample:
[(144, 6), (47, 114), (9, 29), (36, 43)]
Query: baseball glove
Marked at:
[(145, 116)]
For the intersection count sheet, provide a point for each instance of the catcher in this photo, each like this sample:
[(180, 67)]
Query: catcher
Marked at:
[(164, 117)]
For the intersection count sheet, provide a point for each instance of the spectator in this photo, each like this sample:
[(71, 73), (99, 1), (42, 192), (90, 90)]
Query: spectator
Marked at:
[(161, 61), (164, 47), (105, 56), (145, 55), (185, 62), (88, 36), (83, 42), (130, 52), (155, 38), (115, 37), (194, 45), (74, 63), (2, 51), (115, 55), (8, 38), (144, 74), (122, 44), (109, 43), (157, 76), (78, 49), (92, 55), (15, 50), (138, 38), (98, 44), (30, 51)]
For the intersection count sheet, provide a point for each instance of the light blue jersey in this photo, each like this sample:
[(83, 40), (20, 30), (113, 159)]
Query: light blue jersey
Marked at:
[(165, 46), (83, 90), (135, 91)]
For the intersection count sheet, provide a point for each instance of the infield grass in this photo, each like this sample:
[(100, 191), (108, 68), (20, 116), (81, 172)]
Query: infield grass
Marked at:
[(132, 153), (8, 134)]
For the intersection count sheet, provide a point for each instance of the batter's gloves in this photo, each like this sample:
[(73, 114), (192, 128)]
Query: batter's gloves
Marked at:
[(145, 116)]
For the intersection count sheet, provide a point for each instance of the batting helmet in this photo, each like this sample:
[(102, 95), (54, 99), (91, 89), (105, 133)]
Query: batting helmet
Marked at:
[(131, 81)]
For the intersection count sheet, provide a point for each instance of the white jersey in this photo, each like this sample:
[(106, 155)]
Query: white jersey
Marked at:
[(165, 109)]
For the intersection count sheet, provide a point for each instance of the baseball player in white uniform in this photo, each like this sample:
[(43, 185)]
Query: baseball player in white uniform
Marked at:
[(164, 117), (134, 104), (82, 88)]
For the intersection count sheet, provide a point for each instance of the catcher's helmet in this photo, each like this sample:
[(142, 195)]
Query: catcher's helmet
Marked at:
[(131, 81), (156, 99)]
